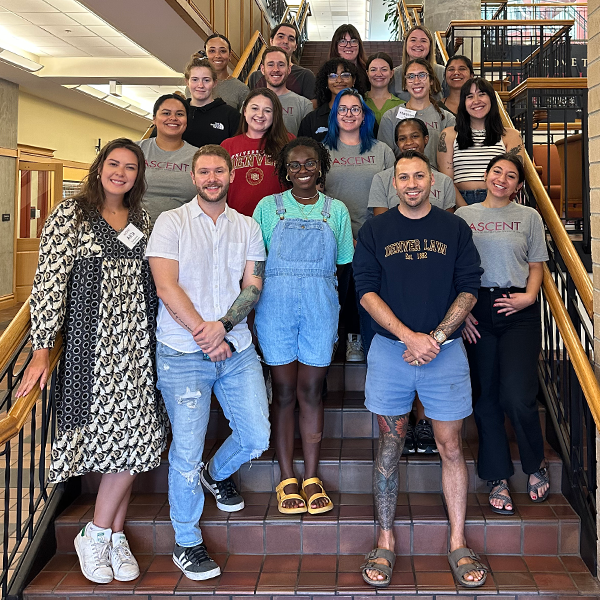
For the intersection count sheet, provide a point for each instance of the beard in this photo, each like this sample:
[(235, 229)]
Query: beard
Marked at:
[(220, 197)]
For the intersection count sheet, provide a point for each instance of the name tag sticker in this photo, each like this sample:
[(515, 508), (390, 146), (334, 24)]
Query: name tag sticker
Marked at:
[(130, 236), (405, 113)]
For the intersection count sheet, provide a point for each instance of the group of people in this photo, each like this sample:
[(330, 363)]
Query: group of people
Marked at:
[(193, 261)]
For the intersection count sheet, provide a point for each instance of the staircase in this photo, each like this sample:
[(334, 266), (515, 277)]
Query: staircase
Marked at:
[(314, 54), (264, 553)]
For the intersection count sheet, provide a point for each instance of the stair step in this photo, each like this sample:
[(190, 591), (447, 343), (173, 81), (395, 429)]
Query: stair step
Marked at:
[(421, 526), (273, 576)]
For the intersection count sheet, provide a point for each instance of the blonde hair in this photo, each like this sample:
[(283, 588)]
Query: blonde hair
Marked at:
[(197, 61), (431, 56)]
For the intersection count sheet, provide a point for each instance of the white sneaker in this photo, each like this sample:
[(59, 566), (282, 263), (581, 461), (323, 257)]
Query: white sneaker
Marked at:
[(354, 348), (123, 563), (94, 555)]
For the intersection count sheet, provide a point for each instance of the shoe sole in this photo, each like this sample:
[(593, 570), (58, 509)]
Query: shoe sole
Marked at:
[(220, 506), (130, 578), (86, 575), (428, 450), (197, 576), (354, 359)]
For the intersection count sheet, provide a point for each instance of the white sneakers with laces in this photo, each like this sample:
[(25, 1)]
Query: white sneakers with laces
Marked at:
[(103, 559)]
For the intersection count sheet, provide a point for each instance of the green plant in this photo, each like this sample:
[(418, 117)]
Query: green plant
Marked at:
[(392, 18)]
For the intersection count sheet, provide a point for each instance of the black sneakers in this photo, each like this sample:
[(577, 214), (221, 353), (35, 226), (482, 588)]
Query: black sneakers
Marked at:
[(225, 494), (410, 445), (195, 562), (425, 438)]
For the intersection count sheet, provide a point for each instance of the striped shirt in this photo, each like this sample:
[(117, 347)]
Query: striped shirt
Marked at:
[(470, 164)]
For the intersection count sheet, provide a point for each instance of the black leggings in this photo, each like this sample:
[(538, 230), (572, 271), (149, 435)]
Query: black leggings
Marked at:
[(505, 381)]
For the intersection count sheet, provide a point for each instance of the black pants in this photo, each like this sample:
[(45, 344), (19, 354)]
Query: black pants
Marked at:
[(504, 376)]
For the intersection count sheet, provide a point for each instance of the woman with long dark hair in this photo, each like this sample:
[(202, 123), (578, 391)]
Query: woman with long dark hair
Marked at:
[(334, 75), (346, 43), (254, 149), (504, 332), (465, 150), (93, 284), (458, 70), (307, 235)]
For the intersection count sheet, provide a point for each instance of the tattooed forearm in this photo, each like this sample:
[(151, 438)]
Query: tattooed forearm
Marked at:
[(392, 433), (515, 152), (177, 317), (442, 143), (259, 269), (457, 313), (243, 304)]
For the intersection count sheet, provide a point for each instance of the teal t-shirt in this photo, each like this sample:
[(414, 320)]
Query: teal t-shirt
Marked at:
[(265, 214)]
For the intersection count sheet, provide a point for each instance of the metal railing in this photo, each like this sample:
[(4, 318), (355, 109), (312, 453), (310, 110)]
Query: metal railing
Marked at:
[(27, 429), (511, 51)]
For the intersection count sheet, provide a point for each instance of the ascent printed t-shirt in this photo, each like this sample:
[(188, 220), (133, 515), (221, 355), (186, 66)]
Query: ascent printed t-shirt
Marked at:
[(254, 174), (168, 175), (351, 174)]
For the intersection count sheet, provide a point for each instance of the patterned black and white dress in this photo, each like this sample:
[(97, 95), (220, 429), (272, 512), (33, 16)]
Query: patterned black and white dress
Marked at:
[(100, 294)]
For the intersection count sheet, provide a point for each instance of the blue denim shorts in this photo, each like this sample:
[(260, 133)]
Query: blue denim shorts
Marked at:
[(474, 196), (443, 385)]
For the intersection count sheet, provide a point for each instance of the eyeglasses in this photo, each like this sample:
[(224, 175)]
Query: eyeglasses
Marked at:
[(335, 76), (345, 42), (423, 75), (355, 110), (295, 166)]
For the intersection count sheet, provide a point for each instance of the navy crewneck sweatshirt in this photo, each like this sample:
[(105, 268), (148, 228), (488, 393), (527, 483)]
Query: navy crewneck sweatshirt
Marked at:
[(417, 266)]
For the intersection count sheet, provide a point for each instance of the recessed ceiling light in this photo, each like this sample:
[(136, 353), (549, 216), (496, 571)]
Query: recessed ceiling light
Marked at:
[(19, 61)]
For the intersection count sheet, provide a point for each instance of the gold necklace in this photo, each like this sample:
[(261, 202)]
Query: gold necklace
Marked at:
[(303, 206)]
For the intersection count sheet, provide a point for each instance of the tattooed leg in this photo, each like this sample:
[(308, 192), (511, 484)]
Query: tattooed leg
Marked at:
[(392, 433)]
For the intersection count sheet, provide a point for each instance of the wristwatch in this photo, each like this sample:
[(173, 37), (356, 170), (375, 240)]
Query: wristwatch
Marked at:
[(439, 336), (227, 324)]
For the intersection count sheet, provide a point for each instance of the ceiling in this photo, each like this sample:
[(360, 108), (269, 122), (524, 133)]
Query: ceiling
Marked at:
[(328, 15)]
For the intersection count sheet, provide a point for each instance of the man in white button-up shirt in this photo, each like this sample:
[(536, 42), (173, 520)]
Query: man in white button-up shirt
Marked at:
[(208, 263)]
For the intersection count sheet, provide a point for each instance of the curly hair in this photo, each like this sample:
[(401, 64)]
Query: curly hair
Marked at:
[(322, 91), (90, 199), (322, 156)]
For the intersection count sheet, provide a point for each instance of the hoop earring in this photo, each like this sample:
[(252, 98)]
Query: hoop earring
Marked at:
[(287, 176), (320, 174)]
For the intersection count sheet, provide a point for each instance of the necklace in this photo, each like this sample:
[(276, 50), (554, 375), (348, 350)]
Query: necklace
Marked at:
[(303, 206), (301, 198)]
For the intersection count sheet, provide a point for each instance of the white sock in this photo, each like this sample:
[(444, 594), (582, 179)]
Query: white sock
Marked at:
[(98, 534), (117, 538)]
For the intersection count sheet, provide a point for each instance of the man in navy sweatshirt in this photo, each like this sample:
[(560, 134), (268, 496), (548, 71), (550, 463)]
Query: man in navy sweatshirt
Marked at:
[(417, 273)]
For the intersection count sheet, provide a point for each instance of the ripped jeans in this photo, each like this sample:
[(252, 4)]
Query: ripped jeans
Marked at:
[(186, 382)]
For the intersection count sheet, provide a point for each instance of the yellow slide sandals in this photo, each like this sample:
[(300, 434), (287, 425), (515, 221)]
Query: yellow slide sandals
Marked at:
[(321, 494), (282, 496)]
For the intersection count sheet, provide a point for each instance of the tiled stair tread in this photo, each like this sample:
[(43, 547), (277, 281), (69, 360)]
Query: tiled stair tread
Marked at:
[(286, 575)]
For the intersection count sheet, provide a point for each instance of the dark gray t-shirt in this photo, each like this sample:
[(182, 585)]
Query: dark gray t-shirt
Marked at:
[(295, 108), (301, 81), (508, 239), (168, 175), (432, 118), (351, 174), (233, 91), (383, 193)]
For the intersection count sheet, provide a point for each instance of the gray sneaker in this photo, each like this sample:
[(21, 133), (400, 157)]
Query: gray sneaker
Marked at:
[(354, 348), (195, 562)]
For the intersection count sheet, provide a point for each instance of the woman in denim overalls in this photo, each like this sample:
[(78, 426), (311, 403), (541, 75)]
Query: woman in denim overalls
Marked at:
[(307, 235)]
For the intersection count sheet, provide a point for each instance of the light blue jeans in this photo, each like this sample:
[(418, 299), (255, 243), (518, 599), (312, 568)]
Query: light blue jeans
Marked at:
[(186, 382)]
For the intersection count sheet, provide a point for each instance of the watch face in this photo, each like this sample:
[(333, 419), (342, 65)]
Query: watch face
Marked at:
[(439, 336)]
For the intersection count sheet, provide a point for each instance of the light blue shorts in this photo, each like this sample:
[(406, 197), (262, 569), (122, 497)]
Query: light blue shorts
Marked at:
[(443, 385)]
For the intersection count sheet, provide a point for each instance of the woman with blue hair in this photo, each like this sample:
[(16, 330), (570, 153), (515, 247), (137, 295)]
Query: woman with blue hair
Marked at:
[(356, 157)]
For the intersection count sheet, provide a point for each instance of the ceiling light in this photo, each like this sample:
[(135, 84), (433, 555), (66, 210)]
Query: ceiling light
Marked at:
[(19, 61)]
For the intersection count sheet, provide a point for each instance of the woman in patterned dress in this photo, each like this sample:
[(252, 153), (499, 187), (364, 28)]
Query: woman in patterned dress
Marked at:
[(93, 284)]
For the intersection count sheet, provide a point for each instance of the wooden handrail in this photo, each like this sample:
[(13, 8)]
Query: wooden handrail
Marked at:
[(559, 234), (549, 41), (549, 83), (517, 22), (13, 335), (441, 45), (245, 55), (579, 359)]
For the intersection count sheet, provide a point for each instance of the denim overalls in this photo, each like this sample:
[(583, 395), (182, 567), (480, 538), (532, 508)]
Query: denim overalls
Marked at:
[(297, 315)]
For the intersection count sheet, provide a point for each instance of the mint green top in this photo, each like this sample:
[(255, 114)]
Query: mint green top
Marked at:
[(265, 214), (393, 102)]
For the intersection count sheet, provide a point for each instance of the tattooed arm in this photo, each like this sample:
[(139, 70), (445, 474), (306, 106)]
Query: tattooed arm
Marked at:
[(392, 433), (445, 152), (166, 277), (513, 142), (457, 313), (212, 333)]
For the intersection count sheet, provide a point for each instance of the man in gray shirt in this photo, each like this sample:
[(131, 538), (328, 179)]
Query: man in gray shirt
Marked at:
[(275, 66)]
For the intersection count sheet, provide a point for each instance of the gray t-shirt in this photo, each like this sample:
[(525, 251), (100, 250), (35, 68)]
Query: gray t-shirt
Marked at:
[(168, 176), (431, 117), (233, 91), (396, 83), (295, 108), (508, 239), (351, 174), (383, 193)]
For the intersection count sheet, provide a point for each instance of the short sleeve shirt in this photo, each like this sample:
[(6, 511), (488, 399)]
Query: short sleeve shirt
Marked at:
[(212, 258), (339, 221)]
